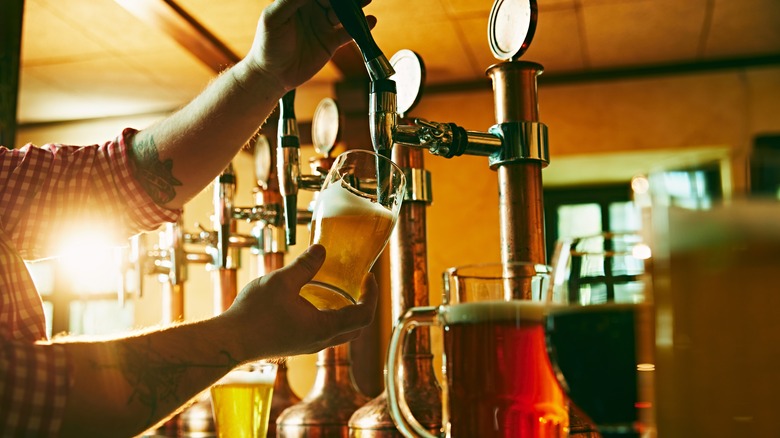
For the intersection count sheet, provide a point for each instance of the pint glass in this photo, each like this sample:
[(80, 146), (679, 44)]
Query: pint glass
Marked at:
[(354, 215), (242, 401), (498, 378)]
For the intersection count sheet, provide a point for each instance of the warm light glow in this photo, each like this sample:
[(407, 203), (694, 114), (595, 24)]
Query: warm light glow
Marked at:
[(645, 367), (640, 184), (89, 263), (641, 251)]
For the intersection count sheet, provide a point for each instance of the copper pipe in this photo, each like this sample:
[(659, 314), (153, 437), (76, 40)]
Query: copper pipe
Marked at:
[(326, 409), (225, 288), (521, 200), (409, 288), (284, 396), (521, 203), (515, 91), (172, 302), (521, 212)]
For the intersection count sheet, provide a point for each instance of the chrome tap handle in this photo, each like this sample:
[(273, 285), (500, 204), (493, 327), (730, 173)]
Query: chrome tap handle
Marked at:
[(288, 159), (354, 21), (224, 196)]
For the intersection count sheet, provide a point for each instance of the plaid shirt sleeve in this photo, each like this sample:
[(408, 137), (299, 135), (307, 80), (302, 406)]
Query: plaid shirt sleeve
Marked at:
[(46, 194)]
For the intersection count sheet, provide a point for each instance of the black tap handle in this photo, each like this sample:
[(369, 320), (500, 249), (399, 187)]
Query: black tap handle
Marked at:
[(287, 105), (354, 21)]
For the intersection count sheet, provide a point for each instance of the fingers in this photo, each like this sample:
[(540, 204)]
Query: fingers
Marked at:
[(303, 268), (361, 314)]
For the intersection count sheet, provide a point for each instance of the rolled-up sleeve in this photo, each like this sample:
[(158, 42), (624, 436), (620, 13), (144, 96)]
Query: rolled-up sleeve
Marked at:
[(47, 194)]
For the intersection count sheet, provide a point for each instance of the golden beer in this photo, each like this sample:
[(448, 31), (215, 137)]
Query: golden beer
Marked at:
[(242, 403), (354, 229)]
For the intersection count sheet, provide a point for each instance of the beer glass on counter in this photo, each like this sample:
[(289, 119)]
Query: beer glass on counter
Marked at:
[(599, 330), (498, 379), (354, 215), (241, 401)]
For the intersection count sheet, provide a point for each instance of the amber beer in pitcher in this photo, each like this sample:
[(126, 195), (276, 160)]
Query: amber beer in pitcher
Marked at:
[(354, 215), (498, 378), (498, 374)]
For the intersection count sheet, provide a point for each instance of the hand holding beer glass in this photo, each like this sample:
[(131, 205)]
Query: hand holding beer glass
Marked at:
[(354, 215), (499, 382), (599, 330), (242, 401)]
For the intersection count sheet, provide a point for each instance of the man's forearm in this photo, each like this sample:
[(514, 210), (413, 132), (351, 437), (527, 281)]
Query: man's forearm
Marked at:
[(123, 387), (179, 156)]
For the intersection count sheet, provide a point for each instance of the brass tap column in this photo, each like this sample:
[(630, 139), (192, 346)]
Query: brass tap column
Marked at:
[(409, 288), (519, 168), (271, 248)]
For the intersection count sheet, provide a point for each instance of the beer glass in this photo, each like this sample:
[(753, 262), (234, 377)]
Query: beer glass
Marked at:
[(717, 324), (599, 330), (354, 215), (241, 401), (498, 379)]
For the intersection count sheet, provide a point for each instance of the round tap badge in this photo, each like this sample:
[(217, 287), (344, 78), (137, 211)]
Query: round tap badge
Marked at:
[(511, 28), (262, 160), (325, 126), (409, 78)]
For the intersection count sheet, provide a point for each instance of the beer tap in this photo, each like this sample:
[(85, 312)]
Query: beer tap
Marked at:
[(382, 98), (516, 146), (288, 158), (409, 274), (288, 161), (325, 410), (271, 248)]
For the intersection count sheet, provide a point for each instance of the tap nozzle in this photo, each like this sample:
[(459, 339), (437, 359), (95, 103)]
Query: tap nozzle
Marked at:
[(383, 118), (354, 21), (288, 159), (224, 196)]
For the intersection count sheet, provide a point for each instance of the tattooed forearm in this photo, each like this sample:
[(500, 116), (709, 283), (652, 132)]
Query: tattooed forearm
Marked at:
[(155, 176), (154, 378)]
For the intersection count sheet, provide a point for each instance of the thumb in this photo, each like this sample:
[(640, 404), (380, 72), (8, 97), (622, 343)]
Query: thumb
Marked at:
[(303, 268)]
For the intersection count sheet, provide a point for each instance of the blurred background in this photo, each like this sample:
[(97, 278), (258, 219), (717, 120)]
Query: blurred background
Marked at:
[(628, 85)]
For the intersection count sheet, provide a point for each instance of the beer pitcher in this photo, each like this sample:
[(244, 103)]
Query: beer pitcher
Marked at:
[(498, 381)]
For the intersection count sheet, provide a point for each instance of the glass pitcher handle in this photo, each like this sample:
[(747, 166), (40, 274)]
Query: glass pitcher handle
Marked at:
[(399, 408)]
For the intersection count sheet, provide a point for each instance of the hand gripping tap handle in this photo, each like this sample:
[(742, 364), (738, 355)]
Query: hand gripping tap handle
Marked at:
[(288, 159), (354, 21)]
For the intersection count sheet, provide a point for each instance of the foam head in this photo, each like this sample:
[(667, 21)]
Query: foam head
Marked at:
[(517, 310), (335, 200), (245, 377)]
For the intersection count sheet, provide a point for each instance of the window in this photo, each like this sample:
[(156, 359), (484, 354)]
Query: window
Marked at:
[(582, 211)]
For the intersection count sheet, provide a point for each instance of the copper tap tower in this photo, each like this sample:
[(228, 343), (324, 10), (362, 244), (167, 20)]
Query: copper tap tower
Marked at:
[(516, 146), (325, 410), (271, 248), (408, 275)]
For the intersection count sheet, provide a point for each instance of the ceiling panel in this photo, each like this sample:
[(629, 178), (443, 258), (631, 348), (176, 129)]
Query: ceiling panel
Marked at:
[(745, 28), (642, 32), (81, 51), (557, 44)]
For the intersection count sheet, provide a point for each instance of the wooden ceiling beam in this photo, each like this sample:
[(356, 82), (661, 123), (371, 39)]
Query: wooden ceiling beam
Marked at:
[(172, 19)]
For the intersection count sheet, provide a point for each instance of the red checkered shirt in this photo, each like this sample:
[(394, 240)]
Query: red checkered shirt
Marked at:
[(45, 194)]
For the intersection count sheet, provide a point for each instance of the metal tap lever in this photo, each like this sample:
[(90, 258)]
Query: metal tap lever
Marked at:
[(288, 159), (354, 21), (224, 195)]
